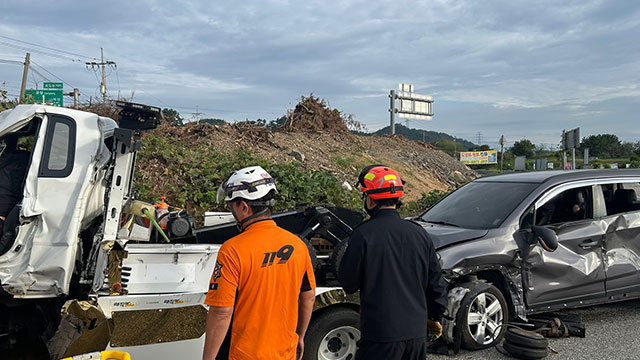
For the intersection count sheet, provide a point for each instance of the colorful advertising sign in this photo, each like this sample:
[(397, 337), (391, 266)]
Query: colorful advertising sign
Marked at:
[(479, 157)]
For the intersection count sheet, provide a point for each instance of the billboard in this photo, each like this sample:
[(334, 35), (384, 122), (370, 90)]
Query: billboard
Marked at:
[(479, 157)]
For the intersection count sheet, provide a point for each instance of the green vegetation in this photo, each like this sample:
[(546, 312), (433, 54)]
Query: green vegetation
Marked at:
[(5, 102), (523, 147), (426, 136), (172, 117), (190, 176)]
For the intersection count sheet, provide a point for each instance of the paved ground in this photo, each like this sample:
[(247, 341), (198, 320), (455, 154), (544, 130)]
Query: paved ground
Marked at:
[(613, 332)]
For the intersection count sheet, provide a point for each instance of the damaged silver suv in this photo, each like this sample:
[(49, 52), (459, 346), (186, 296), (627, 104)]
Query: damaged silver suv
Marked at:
[(519, 244)]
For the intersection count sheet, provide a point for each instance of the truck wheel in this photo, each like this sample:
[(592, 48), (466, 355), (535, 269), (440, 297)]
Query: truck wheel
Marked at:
[(338, 254), (333, 336), (482, 314)]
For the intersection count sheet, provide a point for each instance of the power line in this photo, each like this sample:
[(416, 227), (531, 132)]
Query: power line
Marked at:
[(46, 47), (6, 61), (39, 73), (52, 74), (101, 64), (42, 52)]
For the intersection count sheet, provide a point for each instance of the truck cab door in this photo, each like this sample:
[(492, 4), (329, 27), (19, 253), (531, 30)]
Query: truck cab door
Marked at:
[(575, 270)]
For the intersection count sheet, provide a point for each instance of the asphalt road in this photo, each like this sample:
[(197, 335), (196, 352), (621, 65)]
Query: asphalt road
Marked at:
[(612, 332)]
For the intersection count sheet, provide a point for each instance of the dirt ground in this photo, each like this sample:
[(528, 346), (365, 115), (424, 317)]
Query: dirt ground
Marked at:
[(343, 154)]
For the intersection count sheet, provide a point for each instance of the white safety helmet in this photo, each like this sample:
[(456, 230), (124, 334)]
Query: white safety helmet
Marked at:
[(252, 183)]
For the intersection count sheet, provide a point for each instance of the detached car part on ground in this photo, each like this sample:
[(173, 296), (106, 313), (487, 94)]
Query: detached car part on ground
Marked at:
[(520, 244), (82, 268)]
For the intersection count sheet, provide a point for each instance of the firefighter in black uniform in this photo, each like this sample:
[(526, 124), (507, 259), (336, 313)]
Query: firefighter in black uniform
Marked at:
[(393, 263)]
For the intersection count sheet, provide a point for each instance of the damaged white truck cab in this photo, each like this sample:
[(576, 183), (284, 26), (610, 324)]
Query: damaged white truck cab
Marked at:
[(82, 270)]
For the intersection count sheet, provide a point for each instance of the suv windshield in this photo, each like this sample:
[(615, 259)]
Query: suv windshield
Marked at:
[(479, 205)]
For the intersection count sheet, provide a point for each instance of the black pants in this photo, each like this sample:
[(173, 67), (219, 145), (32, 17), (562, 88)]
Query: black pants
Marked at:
[(415, 349)]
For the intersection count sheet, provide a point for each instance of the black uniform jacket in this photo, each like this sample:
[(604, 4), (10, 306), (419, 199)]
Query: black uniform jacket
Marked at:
[(394, 265)]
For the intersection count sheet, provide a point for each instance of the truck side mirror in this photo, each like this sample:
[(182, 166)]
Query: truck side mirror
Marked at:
[(547, 238)]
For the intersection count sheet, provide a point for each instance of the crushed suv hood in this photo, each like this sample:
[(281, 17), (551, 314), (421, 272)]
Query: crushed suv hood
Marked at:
[(443, 235)]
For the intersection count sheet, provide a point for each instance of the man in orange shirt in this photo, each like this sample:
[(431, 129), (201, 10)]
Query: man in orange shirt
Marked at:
[(263, 277)]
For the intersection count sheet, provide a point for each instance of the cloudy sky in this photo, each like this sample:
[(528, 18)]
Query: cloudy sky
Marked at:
[(523, 69)]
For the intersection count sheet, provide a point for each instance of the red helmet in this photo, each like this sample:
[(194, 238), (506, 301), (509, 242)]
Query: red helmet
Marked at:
[(380, 182)]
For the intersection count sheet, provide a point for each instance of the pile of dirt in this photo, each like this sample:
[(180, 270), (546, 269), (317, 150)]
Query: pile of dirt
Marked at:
[(313, 114), (318, 138), (343, 154)]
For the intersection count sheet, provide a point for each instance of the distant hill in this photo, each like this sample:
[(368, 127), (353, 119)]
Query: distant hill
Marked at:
[(423, 135)]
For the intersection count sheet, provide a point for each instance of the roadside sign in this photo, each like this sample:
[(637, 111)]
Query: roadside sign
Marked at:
[(571, 139), (52, 94), (479, 157), (52, 85)]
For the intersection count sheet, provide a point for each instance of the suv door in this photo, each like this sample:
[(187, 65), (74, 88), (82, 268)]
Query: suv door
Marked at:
[(575, 270), (622, 237)]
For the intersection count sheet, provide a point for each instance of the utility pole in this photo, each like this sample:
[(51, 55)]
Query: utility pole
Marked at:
[(23, 87), (76, 96), (502, 142), (102, 63), (392, 111), (196, 115)]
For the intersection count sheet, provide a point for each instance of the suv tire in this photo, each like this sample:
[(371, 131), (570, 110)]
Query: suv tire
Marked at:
[(482, 309)]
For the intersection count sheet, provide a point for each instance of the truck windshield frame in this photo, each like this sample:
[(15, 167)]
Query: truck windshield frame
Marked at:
[(479, 205)]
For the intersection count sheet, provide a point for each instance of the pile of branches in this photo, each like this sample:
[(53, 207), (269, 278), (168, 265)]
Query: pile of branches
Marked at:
[(254, 134), (102, 109), (313, 114)]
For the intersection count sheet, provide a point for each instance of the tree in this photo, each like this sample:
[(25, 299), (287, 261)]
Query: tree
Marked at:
[(277, 123), (213, 121), (172, 117), (5, 102), (626, 149), (480, 148), (523, 147), (602, 145), (449, 146)]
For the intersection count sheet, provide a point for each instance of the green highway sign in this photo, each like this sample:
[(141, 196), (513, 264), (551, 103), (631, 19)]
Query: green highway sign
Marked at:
[(53, 97), (52, 94), (52, 85)]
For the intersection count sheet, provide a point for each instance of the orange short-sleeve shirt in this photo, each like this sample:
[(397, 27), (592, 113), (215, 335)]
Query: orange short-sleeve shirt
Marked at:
[(261, 273)]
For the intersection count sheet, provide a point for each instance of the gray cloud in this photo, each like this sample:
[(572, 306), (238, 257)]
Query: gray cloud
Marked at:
[(526, 68)]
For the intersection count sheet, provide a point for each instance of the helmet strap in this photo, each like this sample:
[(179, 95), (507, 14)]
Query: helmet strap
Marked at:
[(372, 212), (241, 224)]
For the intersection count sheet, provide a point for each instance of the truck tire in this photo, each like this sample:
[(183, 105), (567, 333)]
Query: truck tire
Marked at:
[(524, 338), (338, 254), (482, 311), (333, 335), (522, 352)]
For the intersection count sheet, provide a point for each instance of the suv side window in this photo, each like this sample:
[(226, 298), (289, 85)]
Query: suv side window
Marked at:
[(59, 147), (621, 198), (570, 205)]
